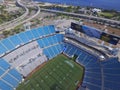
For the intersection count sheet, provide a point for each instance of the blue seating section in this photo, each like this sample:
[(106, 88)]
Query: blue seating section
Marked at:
[(8, 44), (5, 86), (111, 70), (10, 78), (53, 51), (11, 42), (15, 40), (91, 66), (23, 37), (35, 33), (3, 64), (29, 35), (15, 74), (44, 42), (3, 49), (52, 29), (52, 45), (1, 71), (46, 30), (93, 75)]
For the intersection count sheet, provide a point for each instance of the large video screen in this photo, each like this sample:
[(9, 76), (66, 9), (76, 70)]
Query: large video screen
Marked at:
[(109, 38), (93, 32), (76, 26)]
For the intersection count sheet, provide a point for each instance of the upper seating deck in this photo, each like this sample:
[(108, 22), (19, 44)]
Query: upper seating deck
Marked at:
[(52, 45), (10, 43)]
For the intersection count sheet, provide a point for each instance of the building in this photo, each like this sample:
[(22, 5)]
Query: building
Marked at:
[(96, 10)]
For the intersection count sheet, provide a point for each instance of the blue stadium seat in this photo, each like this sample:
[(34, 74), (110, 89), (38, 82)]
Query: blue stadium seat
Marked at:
[(9, 45), (81, 57), (10, 80), (93, 74), (114, 65), (16, 40), (86, 60), (40, 31), (93, 80), (113, 71), (52, 29), (1, 71), (78, 52), (59, 48), (15, 73), (68, 47), (4, 64), (112, 85), (35, 33), (59, 37), (44, 42), (51, 39), (46, 30), (41, 43), (55, 49), (55, 39), (5, 86), (97, 69), (72, 51), (3, 48), (45, 51), (29, 35), (112, 77), (93, 65), (51, 51), (23, 37), (92, 86)]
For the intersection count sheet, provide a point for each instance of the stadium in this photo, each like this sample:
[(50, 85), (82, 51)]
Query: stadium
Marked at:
[(44, 58)]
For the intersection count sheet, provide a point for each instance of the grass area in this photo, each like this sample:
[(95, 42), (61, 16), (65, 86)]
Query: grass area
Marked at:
[(61, 73), (106, 14)]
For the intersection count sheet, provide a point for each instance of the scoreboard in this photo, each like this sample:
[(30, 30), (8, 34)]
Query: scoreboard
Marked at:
[(76, 27), (109, 38), (93, 32)]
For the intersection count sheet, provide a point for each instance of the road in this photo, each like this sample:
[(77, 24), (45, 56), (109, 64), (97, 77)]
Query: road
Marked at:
[(12, 22), (20, 20), (99, 19)]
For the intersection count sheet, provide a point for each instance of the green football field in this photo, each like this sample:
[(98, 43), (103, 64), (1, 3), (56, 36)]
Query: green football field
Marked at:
[(60, 73)]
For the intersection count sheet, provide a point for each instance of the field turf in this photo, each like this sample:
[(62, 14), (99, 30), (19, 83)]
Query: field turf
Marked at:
[(60, 73)]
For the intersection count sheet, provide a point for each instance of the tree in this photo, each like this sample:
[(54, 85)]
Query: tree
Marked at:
[(78, 7), (6, 33)]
